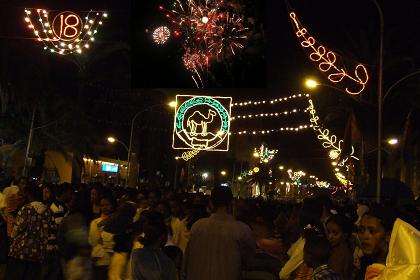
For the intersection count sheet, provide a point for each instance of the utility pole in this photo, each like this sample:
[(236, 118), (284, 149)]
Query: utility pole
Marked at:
[(25, 170)]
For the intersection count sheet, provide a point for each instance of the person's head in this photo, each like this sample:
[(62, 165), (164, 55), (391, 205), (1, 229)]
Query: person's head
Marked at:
[(175, 207), (127, 210), (169, 195), (149, 217), (48, 194), (339, 229), (310, 213), (94, 195), (316, 251), (221, 197), (155, 235), (107, 204), (163, 208), (153, 198), (375, 230), (76, 202), (22, 183), (327, 204), (32, 193)]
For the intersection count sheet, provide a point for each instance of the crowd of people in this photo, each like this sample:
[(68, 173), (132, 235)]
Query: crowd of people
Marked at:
[(92, 231)]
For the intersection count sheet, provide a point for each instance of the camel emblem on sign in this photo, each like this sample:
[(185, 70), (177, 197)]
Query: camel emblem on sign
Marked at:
[(198, 119), (202, 123)]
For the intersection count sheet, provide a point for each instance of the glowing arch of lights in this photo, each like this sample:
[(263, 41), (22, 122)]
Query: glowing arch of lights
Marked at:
[(64, 32), (328, 61), (335, 147), (202, 123)]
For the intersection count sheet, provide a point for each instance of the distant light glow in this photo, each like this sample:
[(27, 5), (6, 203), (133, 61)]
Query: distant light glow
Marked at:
[(393, 141)]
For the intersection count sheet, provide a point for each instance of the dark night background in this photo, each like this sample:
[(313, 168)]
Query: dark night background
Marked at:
[(124, 72)]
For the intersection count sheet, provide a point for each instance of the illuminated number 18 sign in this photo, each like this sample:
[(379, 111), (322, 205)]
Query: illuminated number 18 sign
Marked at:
[(67, 26), (64, 32)]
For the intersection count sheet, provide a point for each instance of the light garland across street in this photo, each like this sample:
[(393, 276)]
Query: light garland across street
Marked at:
[(270, 101)]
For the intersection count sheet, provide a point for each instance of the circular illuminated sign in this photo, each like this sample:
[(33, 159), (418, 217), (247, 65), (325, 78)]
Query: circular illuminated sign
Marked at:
[(202, 123), (67, 26)]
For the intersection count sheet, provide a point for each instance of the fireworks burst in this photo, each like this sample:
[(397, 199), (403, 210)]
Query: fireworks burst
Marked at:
[(161, 35), (208, 29)]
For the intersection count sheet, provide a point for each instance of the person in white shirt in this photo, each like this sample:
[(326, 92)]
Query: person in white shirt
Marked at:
[(101, 254)]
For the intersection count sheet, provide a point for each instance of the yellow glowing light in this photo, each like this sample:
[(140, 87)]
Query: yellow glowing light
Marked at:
[(189, 154), (392, 141), (172, 104), (111, 139), (202, 123), (328, 61), (256, 169), (239, 178), (255, 154), (223, 173), (281, 167), (311, 83)]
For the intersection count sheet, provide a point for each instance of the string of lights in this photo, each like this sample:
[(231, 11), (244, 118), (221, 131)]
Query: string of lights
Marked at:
[(269, 131), (261, 115), (270, 101), (328, 61)]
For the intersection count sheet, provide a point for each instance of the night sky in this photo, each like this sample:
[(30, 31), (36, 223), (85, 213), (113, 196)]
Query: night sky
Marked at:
[(273, 65)]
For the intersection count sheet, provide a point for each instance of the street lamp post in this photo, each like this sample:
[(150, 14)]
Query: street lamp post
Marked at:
[(26, 164), (171, 104), (176, 172), (113, 140), (28, 146), (380, 102)]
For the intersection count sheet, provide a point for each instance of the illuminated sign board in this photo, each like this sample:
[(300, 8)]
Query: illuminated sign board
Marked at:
[(109, 167), (202, 123)]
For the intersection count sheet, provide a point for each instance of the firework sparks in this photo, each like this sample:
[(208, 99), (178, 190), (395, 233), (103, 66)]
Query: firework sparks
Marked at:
[(161, 35), (209, 27), (194, 60)]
